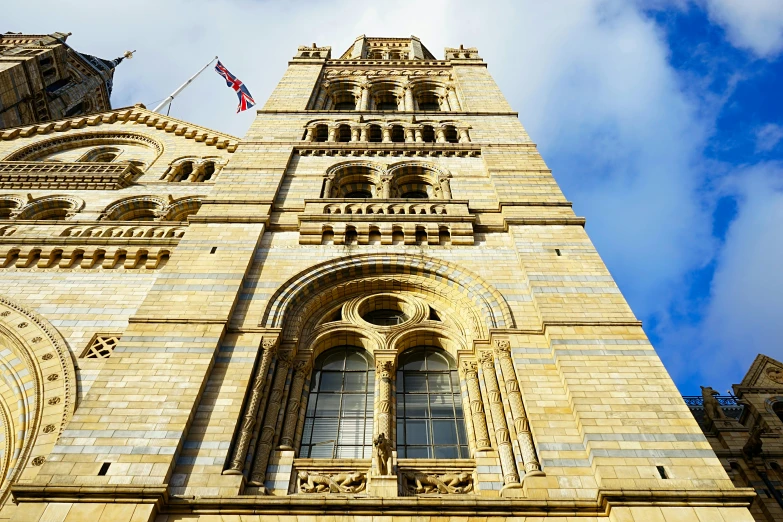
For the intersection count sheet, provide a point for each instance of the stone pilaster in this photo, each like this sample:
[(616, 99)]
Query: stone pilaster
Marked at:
[(502, 436), (384, 414), (521, 424), (301, 371), (477, 416), (249, 420)]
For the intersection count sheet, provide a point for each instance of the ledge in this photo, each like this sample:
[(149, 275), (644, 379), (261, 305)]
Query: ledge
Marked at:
[(50, 175)]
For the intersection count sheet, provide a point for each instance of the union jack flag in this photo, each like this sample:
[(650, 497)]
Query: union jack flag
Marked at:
[(245, 99)]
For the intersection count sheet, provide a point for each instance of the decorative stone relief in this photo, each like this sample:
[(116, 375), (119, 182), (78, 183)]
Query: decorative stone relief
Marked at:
[(502, 436), (712, 408), (382, 455), (775, 374), (470, 372), (353, 482), (301, 371), (446, 483)]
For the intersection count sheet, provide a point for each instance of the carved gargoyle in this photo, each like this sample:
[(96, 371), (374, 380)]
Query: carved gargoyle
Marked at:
[(353, 482), (447, 483), (383, 454), (752, 447), (712, 408)]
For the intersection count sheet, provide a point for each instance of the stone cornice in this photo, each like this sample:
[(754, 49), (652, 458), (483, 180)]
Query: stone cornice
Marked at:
[(138, 114), (75, 176)]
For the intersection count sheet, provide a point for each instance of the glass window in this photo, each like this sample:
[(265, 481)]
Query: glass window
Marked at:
[(338, 421), (429, 406), (385, 317)]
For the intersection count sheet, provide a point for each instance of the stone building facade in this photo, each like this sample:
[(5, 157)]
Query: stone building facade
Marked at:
[(42, 78), (378, 303), (745, 431)]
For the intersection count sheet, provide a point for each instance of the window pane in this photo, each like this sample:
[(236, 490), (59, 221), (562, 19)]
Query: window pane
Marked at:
[(328, 405), (353, 405), (417, 432), (308, 429), (440, 382), (351, 431), (436, 361), (331, 381), (464, 453), (415, 362), (445, 431), (455, 380), (355, 361), (463, 438), (415, 406), (355, 381), (415, 382), (322, 451), (334, 361), (324, 430), (312, 400), (400, 432), (446, 452), (350, 452), (441, 406), (419, 452)]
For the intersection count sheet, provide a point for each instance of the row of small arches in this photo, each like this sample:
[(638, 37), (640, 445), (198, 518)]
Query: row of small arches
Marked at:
[(137, 208), (391, 209), (376, 133), (351, 236)]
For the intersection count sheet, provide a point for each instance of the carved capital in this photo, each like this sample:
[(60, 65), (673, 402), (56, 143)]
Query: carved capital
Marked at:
[(385, 368), (302, 368), (503, 346), (487, 359), (469, 367), (269, 344), (284, 358)]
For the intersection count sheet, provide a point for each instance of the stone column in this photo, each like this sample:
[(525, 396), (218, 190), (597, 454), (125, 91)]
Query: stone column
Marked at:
[(250, 418), (502, 436), (333, 134), (355, 133), (418, 135), (364, 101), (451, 96), (525, 438), (320, 102), (310, 135), (267, 435), (410, 137), (440, 135), (384, 374), (386, 180), (196, 173), (408, 98), (365, 134), (328, 187), (444, 103), (386, 131), (301, 371), (445, 187), (464, 137), (470, 370)]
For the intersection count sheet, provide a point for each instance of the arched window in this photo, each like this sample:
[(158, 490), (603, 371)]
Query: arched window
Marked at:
[(346, 105), (185, 170), (428, 102), (398, 134), (428, 134), (429, 406), (415, 194), (209, 170), (321, 132), (344, 134), (451, 134), (338, 421), (778, 409), (376, 135)]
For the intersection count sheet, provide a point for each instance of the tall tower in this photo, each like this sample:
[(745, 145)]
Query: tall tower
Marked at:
[(42, 78), (378, 302)]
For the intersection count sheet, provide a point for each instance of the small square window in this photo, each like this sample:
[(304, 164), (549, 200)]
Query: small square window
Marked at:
[(101, 346)]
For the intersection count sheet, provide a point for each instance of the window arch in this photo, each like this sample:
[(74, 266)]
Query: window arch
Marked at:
[(777, 408), (429, 406), (338, 420), (101, 155)]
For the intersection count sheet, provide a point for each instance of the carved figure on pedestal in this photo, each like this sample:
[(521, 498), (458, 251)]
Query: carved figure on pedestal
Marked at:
[(383, 454), (354, 482), (752, 447), (712, 408), (453, 483)]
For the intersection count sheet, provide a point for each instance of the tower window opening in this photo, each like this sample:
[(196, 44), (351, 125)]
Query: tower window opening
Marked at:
[(398, 134), (321, 133), (428, 102), (209, 170), (421, 236), (48, 73), (213, 250), (662, 472), (345, 106), (376, 136), (76, 109), (444, 236), (351, 237), (327, 238), (398, 236), (344, 134), (359, 194), (375, 236), (428, 134), (451, 134), (185, 171), (386, 102), (45, 61), (557, 251), (415, 194), (104, 469)]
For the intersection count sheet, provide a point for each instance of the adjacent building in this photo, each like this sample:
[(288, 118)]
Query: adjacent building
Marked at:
[(377, 303), (42, 78)]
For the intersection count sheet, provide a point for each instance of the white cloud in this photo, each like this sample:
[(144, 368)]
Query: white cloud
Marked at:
[(743, 314), (755, 25), (768, 136)]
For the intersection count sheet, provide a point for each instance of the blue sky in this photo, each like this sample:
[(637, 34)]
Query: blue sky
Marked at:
[(661, 120)]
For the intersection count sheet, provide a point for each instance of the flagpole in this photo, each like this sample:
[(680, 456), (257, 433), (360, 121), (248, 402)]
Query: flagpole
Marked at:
[(182, 87)]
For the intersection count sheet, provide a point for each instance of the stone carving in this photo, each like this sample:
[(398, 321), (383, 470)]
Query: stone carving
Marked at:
[(53, 377), (53, 401), (447, 483), (49, 428), (382, 454), (712, 408), (752, 447), (301, 371), (775, 374), (47, 356), (37, 340), (353, 482), (237, 464), (38, 461), (384, 370), (502, 436), (22, 325), (477, 415), (267, 435)]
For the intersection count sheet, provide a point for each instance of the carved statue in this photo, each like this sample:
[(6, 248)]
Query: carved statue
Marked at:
[(353, 482), (752, 447), (448, 483), (712, 408), (383, 454), (775, 374)]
